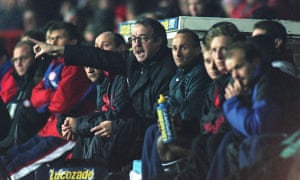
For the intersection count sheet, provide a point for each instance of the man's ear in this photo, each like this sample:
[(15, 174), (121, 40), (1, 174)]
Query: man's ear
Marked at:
[(278, 42)]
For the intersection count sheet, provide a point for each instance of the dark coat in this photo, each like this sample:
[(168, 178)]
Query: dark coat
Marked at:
[(113, 104), (213, 128), (26, 121), (212, 121), (146, 80), (5, 120), (187, 91)]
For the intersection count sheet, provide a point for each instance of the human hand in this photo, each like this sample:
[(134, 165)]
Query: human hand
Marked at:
[(103, 129), (68, 135), (71, 123), (233, 89), (68, 128), (41, 48)]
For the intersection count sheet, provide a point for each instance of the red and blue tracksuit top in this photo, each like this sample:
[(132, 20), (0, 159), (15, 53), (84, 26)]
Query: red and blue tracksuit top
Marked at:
[(61, 91)]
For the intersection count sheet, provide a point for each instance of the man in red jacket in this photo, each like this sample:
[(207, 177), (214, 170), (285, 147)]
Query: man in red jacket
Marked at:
[(16, 90), (22, 59), (64, 89)]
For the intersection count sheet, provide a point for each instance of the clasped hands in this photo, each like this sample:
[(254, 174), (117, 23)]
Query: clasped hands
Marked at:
[(68, 128)]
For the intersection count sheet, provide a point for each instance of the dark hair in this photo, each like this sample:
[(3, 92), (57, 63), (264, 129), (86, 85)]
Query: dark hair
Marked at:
[(274, 29), (158, 30), (250, 50), (119, 39), (266, 45), (71, 29), (34, 34), (195, 38)]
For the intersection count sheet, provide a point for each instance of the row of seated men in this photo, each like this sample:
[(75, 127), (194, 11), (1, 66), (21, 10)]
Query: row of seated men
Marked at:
[(98, 103)]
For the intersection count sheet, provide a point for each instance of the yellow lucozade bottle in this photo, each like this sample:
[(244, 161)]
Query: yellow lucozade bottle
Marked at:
[(166, 125)]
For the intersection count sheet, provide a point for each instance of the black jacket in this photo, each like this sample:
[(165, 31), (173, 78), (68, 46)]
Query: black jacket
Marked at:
[(146, 80), (113, 103), (5, 120), (213, 121), (187, 91), (26, 121)]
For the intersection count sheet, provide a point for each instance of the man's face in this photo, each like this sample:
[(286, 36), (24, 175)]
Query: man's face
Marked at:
[(258, 31), (58, 37), (106, 42), (240, 69), (196, 7), (93, 74), (218, 47), (22, 59), (143, 44), (277, 41), (210, 66), (183, 50)]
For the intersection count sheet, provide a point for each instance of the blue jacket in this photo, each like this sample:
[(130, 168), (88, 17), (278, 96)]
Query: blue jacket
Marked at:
[(270, 107)]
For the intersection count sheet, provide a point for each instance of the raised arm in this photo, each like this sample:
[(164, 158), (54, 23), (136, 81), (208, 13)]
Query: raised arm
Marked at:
[(41, 48), (85, 56)]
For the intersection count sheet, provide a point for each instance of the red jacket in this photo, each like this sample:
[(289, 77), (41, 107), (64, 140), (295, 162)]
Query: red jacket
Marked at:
[(72, 84), (9, 87)]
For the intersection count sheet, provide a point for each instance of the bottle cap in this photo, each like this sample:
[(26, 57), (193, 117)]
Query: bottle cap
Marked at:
[(161, 99)]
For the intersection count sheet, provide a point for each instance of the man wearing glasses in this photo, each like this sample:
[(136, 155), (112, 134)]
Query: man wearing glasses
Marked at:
[(148, 67), (16, 92), (22, 60), (64, 89)]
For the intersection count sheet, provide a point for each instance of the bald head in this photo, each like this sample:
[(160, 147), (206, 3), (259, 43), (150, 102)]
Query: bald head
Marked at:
[(110, 41)]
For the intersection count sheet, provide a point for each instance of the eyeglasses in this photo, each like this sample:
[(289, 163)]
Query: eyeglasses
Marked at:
[(22, 58), (141, 38)]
